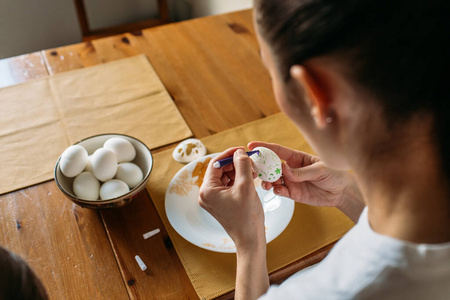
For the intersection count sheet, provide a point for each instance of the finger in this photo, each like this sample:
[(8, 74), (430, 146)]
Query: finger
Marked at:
[(283, 152), (225, 179), (287, 154), (228, 168), (278, 182), (227, 153), (231, 174), (243, 166), (266, 185), (308, 173), (214, 173), (281, 190)]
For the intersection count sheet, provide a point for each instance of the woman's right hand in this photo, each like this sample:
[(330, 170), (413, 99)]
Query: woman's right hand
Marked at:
[(307, 180)]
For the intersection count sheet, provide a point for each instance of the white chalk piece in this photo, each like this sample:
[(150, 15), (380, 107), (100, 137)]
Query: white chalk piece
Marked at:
[(140, 263), (151, 233)]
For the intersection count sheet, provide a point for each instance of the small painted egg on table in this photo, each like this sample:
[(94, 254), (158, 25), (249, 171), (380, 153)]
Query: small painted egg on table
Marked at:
[(267, 164), (189, 150)]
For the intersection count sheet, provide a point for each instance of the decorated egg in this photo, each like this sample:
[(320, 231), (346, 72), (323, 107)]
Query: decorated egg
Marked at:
[(267, 164), (73, 160), (189, 150)]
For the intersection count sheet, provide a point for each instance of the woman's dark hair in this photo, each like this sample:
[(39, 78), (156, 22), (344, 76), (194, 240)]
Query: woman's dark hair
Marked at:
[(17, 280), (397, 50)]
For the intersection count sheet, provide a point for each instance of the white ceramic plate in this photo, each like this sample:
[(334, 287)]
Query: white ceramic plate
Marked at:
[(198, 227)]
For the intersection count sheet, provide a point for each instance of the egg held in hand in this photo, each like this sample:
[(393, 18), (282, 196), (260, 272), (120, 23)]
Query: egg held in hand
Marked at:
[(267, 164), (73, 161)]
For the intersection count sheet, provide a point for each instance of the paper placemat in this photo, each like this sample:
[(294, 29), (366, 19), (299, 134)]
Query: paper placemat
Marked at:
[(40, 118), (311, 228)]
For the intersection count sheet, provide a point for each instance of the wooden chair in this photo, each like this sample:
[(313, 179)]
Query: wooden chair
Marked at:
[(89, 34)]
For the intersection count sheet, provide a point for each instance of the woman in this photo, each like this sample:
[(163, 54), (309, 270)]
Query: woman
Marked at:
[(17, 279), (365, 82)]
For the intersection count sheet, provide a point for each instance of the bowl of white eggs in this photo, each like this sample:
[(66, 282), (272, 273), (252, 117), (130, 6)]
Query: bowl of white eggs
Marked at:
[(104, 171)]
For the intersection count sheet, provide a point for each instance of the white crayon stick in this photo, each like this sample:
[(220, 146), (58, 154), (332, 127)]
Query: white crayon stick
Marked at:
[(140, 263), (151, 233)]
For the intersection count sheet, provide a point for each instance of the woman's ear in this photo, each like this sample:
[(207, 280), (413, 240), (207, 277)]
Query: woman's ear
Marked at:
[(316, 93)]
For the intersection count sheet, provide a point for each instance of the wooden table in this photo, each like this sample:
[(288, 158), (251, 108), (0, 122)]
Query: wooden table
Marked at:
[(211, 68)]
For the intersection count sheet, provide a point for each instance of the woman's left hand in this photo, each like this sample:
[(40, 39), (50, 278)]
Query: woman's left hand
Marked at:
[(229, 195)]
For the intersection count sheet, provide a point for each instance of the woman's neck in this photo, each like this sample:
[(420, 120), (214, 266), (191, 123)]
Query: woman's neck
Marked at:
[(406, 192)]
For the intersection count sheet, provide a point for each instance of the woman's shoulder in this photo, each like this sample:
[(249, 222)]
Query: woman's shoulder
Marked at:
[(363, 244), (366, 265)]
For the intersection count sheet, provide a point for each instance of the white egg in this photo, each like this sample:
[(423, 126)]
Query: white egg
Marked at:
[(123, 149), (113, 188), (129, 173), (73, 161), (86, 186), (104, 164), (267, 164), (189, 150), (88, 167)]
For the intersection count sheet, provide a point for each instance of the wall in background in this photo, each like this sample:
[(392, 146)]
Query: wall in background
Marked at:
[(202, 8), (29, 25), (104, 13)]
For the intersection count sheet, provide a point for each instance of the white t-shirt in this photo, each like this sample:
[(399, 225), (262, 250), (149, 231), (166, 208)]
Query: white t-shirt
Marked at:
[(368, 265)]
